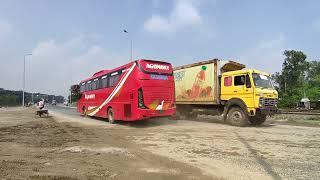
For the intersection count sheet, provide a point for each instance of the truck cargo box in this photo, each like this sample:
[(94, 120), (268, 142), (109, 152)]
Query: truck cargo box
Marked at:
[(198, 83)]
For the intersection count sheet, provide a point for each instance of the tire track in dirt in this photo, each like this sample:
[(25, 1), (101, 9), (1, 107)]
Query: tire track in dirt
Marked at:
[(260, 160), (54, 148)]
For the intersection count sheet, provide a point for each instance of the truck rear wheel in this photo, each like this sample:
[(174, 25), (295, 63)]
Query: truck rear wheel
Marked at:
[(185, 112), (237, 117), (258, 119), (179, 115), (192, 115), (186, 115)]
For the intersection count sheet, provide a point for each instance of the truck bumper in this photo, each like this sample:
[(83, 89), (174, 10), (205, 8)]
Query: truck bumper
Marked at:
[(269, 111)]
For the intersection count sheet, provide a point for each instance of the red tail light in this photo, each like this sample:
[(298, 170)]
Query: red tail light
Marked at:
[(140, 99)]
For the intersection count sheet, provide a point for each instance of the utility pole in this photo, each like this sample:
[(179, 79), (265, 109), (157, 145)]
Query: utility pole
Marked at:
[(131, 55), (70, 97), (24, 77)]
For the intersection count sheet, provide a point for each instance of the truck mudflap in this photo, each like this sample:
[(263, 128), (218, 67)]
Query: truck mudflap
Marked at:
[(269, 111)]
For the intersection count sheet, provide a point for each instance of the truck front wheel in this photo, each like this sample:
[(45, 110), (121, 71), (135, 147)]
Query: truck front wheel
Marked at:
[(258, 119), (237, 117)]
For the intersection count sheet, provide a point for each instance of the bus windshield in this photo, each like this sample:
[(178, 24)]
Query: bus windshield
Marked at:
[(262, 81)]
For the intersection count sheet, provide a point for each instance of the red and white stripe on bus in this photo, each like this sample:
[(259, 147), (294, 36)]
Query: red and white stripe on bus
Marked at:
[(138, 90)]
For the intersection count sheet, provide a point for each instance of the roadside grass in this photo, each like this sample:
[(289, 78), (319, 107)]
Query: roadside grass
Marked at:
[(303, 120), (314, 118)]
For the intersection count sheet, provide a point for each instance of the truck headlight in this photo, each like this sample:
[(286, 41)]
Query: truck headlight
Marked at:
[(261, 102)]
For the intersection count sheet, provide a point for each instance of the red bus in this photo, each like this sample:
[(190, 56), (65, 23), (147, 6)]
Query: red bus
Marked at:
[(138, 90)]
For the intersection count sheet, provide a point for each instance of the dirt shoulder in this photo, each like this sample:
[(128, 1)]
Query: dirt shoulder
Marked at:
[(268, 152), (45, 148), (70, 147)]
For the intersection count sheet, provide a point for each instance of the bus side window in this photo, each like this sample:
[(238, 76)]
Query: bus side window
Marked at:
[(104, 82), (113, 80), (82, 88), (94, 84), (98, 83), (88, 86)]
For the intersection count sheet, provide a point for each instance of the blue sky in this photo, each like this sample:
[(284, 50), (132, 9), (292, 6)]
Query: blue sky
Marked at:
[(72, 39)]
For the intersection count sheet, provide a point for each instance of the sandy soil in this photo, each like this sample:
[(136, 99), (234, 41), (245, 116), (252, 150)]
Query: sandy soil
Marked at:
[(268, 152), (66, 147), (44, 148)]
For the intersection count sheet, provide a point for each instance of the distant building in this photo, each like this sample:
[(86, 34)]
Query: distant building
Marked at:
[(304, 104)]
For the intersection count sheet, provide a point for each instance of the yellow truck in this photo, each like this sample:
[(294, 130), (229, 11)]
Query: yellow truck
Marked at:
[(227, 88)]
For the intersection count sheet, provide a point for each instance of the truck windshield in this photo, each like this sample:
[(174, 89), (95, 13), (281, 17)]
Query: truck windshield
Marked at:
[(262, 81)]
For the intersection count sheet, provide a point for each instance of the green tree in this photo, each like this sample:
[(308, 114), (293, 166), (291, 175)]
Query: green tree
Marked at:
[(75, 98), (314, 69), (291, 81), (313, 82), (293, 69)]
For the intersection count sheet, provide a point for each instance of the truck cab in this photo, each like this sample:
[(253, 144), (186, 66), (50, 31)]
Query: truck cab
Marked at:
[(247, 95), (219, 87)]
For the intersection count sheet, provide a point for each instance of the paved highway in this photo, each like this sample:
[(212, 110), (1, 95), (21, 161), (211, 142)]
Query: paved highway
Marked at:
[(70, 111)]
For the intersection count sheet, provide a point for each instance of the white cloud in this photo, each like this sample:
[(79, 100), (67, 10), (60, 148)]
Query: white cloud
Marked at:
[(184, 14), (54, 66), (158, 24), (266, 56), (5, 27)]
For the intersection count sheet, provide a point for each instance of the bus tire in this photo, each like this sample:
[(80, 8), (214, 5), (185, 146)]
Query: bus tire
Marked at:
[(110, 116), (237, 117), (84, 112)]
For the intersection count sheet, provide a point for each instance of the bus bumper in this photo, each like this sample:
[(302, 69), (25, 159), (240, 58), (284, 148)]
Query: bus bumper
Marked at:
[(147, 113)]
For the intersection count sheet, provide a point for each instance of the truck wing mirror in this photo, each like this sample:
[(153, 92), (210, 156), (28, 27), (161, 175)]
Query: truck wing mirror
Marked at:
[(248, 83)]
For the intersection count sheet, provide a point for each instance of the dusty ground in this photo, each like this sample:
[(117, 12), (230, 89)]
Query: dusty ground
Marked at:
[(268, 152), (43, 148), (84, 148)]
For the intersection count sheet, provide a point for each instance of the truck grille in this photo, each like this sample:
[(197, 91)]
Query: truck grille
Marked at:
[(268, 102)]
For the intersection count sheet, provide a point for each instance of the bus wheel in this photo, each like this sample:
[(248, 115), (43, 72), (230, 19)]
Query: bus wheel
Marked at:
[(237, 117), (84, 111), (110, 116)]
